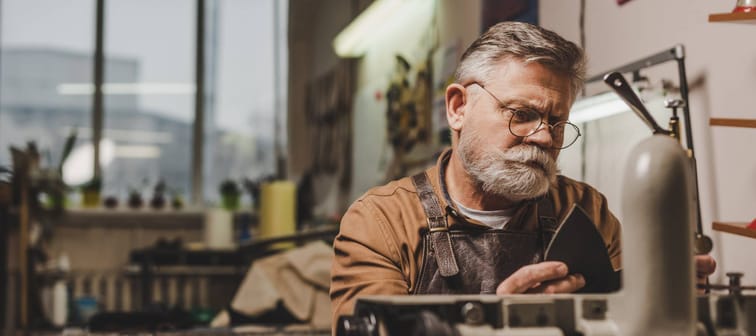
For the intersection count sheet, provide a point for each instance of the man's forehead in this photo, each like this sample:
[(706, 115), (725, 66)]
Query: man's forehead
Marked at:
[(505, 68)]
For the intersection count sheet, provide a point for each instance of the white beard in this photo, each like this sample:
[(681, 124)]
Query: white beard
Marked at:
[(518, 173)]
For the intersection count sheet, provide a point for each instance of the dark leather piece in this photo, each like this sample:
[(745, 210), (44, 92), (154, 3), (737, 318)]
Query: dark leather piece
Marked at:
[(580, 246), (438, 227)]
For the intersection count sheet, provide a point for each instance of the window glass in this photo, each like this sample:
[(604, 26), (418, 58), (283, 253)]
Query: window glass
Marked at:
[(149, 83), (44, 46), (246, 77), (149, 95)]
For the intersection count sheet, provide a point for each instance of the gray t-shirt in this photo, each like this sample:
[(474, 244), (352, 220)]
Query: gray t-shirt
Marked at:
[(496, 219)]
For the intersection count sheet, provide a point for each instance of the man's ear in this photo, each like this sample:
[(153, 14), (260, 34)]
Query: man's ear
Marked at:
[(456, 102)]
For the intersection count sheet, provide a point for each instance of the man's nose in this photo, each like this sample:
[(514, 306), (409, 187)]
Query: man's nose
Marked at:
[(541, 138)]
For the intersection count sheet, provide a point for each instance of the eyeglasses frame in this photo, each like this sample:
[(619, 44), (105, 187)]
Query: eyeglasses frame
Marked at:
[(540, 124)]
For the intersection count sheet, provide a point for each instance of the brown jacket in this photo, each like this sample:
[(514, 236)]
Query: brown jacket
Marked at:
[(378, 250)]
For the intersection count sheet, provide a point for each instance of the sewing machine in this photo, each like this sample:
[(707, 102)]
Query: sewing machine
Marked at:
[(658, 296)]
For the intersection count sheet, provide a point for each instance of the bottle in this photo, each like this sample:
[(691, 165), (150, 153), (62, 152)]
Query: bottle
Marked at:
[(60, 293)]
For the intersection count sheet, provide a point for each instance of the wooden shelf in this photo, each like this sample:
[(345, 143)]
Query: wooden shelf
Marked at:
[(749, 123), (736, 228), (748, 18), (145, 217)]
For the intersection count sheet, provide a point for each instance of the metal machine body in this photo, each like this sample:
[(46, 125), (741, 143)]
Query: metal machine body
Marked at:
[(658, 295), (521, 315)]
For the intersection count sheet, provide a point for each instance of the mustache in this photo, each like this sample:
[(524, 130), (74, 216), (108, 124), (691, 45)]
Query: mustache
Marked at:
[(521, 172), (530, 155)]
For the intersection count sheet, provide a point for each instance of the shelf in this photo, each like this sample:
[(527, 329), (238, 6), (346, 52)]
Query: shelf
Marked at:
[(187, 270), (146, 217), (736, 228), (748, 18), (749, 123)]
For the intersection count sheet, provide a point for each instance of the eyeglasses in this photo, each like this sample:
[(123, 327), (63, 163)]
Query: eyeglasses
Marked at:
[(525, 123)]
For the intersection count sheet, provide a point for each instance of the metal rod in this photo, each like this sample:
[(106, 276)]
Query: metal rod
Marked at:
[(281, 169), (99, 78), (199, 108), (684, 97), (689, 135), (23, 246), (145, 281), (1, 119), (676, 52), (4, 220)]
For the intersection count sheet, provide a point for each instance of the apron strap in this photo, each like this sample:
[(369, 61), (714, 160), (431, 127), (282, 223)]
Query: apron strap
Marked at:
[(547, 222), (438, 226)]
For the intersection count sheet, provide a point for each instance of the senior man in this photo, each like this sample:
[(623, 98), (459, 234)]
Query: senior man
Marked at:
[(479, 220)]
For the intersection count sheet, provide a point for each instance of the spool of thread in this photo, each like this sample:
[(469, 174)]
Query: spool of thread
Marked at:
[(278, 210), (219, 229)]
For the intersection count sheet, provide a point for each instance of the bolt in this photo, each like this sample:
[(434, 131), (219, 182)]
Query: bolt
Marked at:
[(473, 314)]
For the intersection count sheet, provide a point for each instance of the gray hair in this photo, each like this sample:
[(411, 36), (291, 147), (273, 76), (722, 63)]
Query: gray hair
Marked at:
[(526, 43)]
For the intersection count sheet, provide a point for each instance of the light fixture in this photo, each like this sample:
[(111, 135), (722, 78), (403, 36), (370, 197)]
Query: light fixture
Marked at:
[(126, 135), (137, 152), (381, 17), (127, 89), (78, 168), (596, 107)]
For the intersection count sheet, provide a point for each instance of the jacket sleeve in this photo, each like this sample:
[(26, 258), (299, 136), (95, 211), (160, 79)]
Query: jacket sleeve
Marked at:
[(614, 236), (609, 227), (366, 260)]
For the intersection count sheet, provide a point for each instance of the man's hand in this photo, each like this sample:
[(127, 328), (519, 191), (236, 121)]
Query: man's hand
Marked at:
[(545, 277), (705, 266)]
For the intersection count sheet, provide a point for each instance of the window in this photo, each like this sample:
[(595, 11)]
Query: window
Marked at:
[(149, 88), (41, 51), (242, 128), (149, 95)]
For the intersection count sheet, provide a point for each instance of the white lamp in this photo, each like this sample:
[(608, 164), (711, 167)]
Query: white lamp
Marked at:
[(79, 168), (596, 107), (380, 17)]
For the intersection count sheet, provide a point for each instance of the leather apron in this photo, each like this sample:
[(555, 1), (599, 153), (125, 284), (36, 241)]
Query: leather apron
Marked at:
[(474, 260)]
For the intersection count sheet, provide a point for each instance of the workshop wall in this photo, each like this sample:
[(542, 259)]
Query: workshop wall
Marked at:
[(458, 25), (721, 71), (314, 24)]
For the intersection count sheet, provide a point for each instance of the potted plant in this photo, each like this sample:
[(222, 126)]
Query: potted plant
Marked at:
[(230, 194), (90, 192), (158, 196), (135, 199), (177, 201)]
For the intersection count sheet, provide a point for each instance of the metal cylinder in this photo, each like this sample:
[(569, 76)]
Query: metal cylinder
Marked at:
[(658, 295)]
